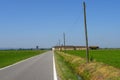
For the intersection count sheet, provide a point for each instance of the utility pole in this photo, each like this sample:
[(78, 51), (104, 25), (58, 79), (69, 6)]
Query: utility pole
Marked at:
[(64, 40), (37, 47), (59, 42), (86, 35)]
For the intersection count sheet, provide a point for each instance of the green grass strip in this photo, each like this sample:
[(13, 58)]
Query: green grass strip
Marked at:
[(63, 69), (8, 57)]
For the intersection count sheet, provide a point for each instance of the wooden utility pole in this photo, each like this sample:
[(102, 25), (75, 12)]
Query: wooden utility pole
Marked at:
[(37, 47), (64, 40), (59, 43), (86, 35)]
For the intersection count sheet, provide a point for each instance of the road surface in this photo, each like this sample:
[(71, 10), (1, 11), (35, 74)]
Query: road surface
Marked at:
[(36, 68)]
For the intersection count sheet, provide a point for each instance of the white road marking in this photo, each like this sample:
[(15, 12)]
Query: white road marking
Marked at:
[(37, 68), (54, 68)]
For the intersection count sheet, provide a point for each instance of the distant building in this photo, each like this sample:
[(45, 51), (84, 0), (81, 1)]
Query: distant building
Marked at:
[(80, 47), (74, 47), (94, 47)]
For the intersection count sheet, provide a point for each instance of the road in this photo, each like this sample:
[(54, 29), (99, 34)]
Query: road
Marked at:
[(36, 68)]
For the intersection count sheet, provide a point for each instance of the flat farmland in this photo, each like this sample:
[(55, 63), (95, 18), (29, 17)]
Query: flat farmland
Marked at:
[(109, 56), (8, 57)]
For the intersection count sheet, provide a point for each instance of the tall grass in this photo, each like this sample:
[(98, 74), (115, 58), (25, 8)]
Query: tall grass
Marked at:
[(110, 57), (91, 71), (8, 57)]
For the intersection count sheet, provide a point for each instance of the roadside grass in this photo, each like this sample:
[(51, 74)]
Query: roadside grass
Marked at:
[(8, 57), (110, 56), (90, 71), (63, 69)]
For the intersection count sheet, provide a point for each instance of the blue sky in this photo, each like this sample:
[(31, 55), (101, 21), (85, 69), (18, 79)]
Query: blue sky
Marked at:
[(27, 23)]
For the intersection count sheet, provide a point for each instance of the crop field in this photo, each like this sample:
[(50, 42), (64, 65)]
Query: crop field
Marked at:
[(8, 57), (109, 56)]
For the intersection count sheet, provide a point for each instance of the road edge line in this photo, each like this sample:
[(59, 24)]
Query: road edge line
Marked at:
[(54, 69)]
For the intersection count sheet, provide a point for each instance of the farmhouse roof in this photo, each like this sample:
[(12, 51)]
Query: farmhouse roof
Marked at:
[(70, 46)]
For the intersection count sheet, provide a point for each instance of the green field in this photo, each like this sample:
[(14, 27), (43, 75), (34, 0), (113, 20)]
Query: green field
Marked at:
[(8, 57), (108, 56)]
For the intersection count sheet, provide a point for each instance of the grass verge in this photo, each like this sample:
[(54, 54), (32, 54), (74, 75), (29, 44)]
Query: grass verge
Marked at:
[(109, 56), (92, 70), (8, 57), (63, 69)]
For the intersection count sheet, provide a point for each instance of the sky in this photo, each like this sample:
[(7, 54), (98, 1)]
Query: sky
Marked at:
[(28, 23)]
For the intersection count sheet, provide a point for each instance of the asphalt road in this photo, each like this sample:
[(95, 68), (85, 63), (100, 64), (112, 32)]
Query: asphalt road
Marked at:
[(36, 68)]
